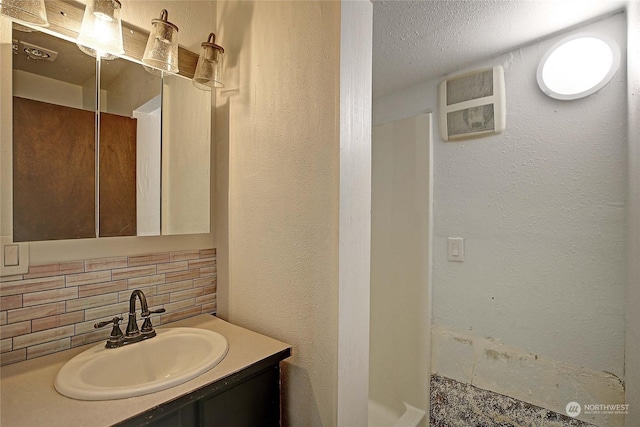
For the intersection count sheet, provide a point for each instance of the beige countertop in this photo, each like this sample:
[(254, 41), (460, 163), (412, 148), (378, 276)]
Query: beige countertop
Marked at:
[(28, 398)]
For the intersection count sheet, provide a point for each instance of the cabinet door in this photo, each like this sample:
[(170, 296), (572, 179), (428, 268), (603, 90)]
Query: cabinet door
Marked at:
[(184, 417), (53, 171), (117, 176), (252, 403)]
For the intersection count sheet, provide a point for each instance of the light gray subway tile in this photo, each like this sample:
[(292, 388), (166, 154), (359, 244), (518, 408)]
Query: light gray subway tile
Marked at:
[(211, 308), (72, 267), (182, 275), (44, 297), (35, 312), (57, 321), (101, 288), (105, 263), (91, 302), (13, 356), (180, 305), (202, 263), (15, 329), (43, 270), (31, 285), (138, 282), (158, 300), (185, 255), (157, 258), (47, 335), (125, 296), (210, 289), (181, 314), (90, 337), (186, 294), (6, 345), (10, 302), (11, 278), (129, 272), (172, 267), (206, 299), (204, 281), (208, 253), (174, 287), (88, 278), (48, 348), (209, 272)]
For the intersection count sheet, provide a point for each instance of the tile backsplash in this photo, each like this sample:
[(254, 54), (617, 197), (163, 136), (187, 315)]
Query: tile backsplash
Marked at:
[(55, 306)]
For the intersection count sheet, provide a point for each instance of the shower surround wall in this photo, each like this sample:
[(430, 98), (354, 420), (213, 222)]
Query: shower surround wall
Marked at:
[(54, 306), (537, 309)]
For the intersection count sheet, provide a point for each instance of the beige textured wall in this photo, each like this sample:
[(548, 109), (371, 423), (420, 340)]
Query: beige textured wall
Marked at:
[(278, 118)]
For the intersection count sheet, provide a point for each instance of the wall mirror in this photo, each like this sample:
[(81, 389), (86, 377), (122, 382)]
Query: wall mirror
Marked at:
[(153, 134), (54, 103)]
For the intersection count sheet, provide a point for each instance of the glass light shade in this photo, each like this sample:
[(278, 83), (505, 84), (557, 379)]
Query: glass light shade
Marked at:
[(162, 47), (578, 66), (25, 11), (101, 29), (209, 69)]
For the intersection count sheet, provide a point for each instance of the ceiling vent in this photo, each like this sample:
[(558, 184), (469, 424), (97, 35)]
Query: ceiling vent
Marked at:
[(35, 52), (473, 104)]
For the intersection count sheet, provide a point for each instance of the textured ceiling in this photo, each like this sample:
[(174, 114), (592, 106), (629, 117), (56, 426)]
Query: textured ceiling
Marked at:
[(414, 41)]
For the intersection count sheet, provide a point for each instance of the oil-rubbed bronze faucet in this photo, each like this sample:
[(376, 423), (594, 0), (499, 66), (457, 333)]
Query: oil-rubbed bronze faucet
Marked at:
[(133, 334)]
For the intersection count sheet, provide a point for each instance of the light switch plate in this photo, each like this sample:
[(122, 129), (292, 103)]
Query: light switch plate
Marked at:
[(455, 249), (14, 257), (11, 255)]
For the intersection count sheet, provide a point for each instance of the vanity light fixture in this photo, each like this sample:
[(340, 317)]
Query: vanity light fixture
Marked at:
[(101, 29), (30, 12), (209, 69), (162, 47), (578, 66)]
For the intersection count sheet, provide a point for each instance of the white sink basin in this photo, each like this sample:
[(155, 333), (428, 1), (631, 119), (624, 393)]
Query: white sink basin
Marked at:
[(173, 357)]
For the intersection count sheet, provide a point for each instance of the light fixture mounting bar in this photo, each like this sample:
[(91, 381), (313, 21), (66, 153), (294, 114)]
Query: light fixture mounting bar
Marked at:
[(65, 18)]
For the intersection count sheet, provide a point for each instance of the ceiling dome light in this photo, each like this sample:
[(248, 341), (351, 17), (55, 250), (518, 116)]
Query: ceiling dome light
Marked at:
[(578, 66)]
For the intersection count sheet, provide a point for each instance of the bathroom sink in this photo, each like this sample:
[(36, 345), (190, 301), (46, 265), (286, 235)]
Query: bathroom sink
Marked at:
[(173, 357)]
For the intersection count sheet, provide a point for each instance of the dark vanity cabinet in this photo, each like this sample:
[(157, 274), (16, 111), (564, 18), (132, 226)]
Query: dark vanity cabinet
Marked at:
[(249, 398)]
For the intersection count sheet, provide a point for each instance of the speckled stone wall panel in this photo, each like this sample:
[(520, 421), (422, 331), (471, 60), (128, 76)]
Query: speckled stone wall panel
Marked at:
[(455, 404)]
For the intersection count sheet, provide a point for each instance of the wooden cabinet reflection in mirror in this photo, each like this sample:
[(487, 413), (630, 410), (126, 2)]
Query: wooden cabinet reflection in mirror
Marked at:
[(54, 170)]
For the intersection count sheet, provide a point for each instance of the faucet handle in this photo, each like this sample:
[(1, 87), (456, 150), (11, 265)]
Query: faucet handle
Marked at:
[(147, 327), (116, 333), (116, 321), (150, 312)]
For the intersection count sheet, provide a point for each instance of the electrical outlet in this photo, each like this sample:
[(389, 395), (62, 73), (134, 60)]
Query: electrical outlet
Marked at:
[(15, 257)]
